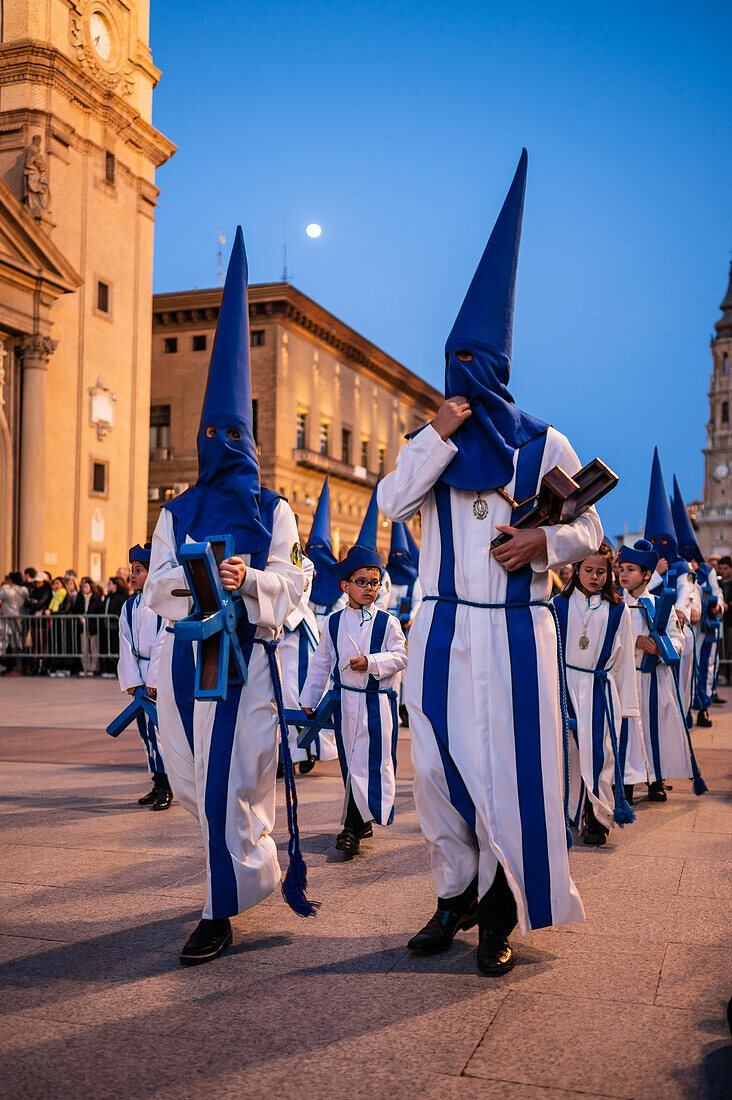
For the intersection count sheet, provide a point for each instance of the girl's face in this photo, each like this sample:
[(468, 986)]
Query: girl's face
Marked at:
[(55, 585), (593, 574), (86, 588)]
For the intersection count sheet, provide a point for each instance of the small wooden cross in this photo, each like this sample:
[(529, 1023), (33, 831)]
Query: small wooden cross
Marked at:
[(141, 704), (322, 719), (657, 619), (213, 621)]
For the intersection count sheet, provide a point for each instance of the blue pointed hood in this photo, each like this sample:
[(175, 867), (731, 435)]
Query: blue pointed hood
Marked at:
[(370, 525), (326, 587), (413, 548), (660, 530), (478, 359), (401, 566), (685, 534), (225, 498)]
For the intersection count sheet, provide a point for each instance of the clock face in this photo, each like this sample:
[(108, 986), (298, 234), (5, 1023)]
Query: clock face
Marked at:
[(100, 35), (721, 471)]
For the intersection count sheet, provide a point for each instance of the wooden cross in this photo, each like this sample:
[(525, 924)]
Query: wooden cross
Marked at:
[(322, 719), (141, 704), (213, 621), (657, 618)]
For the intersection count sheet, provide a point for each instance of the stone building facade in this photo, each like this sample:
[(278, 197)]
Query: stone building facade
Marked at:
[(325, 400), (78, 155), (714, 517)]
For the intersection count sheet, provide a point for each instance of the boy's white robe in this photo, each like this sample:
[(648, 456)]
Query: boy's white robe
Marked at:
[(369, 771), (141, 634), (590, 772), (662, 723), (295, 651), (322, 611), (483, 686), (222, 764)]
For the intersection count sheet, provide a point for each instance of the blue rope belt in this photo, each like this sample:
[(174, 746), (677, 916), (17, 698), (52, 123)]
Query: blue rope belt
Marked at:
[(560, 664), (622, 812)]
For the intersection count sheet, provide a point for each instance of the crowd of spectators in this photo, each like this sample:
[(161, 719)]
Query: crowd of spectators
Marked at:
[(60, 626)]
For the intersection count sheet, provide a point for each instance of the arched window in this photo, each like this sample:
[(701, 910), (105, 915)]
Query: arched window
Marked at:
[(725, 412), (724, 362)]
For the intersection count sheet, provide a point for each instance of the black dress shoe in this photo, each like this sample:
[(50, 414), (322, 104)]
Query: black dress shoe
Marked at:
[(703, 720), (348, 841), (628, 792), (440, 930), (306, 766), (366, 831), (206, 943), (657, 791), (592, 831), (163, 798), (718, 702), (404, 715), (495, 954), (148, 799)]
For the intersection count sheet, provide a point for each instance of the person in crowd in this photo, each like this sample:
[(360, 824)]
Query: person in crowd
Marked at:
[(13, 600), (56, 629), (89, 606), (597, 645), (113, 602), (363, 652), (669, 751), (39, 597), (725, 573)]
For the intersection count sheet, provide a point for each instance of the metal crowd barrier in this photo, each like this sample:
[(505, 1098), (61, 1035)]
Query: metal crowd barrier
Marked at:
[(62, 643)]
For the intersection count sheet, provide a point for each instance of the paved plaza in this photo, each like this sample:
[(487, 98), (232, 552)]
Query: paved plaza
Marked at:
[(98, 895)]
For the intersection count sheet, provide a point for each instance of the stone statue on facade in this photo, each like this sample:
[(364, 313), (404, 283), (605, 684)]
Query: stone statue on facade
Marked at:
[(36, 194)]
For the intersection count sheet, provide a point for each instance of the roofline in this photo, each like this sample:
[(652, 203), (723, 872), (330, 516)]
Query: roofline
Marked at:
[(286, 303)]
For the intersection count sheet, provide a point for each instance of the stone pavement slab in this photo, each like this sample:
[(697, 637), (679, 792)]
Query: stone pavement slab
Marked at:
[(97, 894)]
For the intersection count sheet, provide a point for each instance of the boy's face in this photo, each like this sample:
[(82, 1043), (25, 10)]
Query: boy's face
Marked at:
[(362, 587), (138, 575), (631, 576)]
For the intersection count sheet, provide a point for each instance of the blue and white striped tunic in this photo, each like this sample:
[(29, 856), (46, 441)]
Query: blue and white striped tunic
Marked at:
[(366, 723), (483, 683)]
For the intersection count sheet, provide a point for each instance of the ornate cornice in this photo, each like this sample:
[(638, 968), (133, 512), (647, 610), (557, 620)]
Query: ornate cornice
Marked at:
[(36, 63)]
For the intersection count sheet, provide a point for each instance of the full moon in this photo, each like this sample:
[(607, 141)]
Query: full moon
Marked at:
[(313, 230)]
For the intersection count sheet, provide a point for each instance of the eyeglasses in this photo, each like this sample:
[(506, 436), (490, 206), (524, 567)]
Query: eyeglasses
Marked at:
[(363, 583)]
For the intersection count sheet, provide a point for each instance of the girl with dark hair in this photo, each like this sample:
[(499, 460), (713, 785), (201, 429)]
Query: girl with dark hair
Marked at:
[(597, 640)]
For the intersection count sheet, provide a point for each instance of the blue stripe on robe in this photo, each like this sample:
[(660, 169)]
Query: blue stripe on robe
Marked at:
[(373, 718), (333, 624), (599, 695), (436, 672), (654, 731), (224, 894), (526, 713)]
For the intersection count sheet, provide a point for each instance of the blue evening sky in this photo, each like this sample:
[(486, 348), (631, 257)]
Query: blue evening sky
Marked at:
[(397, 126)]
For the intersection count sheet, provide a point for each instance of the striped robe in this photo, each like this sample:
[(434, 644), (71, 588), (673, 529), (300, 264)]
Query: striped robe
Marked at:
[(483, 684), (221, 757), (141, 634), (605, 691), (662, 721), (366, 724), (295, 652)]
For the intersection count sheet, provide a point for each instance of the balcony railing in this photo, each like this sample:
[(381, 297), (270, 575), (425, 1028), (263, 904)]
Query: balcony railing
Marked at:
[(713, 511), (315, 461), (160, 454)]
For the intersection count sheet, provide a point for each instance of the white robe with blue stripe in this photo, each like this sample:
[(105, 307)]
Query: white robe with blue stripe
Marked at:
[(609, 630), (141, 634), (483, 685), (221, 757), (662, 722), (295, 652), (366, 722)]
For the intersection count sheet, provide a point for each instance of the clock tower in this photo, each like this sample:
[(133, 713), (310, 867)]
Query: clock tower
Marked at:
[(715, 516), (78, 154)]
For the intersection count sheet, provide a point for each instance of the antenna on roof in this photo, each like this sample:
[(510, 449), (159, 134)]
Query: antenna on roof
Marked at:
[(220, 269)]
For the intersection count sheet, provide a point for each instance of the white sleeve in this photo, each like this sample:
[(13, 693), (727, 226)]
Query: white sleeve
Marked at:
[(568, 542), (128, 669), (152, 671), (273, 593), (623, 670), (416, 599), (419, 464), (393, 657), (165, 573), (297, 616), (319, 670)]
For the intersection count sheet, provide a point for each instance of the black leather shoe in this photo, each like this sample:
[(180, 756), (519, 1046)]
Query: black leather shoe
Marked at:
[(657, 791), (440, 930), (495, 954), (592, 831), (348, 841), (163, 798), (306, 766), (367, 831), (148, 799), (206, 943), (404, 715), (703, 720), (718, 702), (628, 791)]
